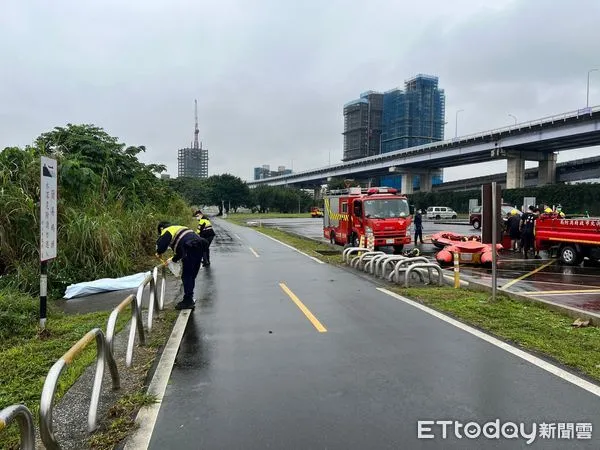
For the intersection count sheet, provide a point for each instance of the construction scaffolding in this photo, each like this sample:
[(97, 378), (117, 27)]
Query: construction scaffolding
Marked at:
[(413, 116)]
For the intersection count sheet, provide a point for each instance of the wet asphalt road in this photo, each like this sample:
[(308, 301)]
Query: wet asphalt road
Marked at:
[(577, 287), (253, 372)]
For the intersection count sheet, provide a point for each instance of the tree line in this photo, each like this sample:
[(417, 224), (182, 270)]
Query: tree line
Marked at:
[(231, 193)]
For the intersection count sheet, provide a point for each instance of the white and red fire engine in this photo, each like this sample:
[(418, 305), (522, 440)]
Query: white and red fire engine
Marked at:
[(357, 212)]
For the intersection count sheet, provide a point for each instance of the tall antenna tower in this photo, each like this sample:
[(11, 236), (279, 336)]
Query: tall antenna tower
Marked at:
[(196, 130)]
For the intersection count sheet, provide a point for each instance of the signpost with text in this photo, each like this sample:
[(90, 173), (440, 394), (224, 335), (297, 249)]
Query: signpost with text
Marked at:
[(48, 227)]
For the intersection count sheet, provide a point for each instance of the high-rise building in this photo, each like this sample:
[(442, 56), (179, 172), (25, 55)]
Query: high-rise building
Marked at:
[(414, 116), (193, 161), (362, 126)]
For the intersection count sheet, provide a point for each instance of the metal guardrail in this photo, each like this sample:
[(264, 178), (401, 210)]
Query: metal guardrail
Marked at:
[(376, 262), (383, 263), (24, 418), (136, 325), (429, 267), (103, 355), (372, 265), (402, 266), (359, 261), (347, 252)]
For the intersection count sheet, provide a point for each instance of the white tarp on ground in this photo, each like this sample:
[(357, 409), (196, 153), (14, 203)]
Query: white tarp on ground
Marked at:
[(105, 285)]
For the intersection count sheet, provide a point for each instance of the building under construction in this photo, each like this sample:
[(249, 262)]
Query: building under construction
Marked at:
[(413, 116), (193, 161), (362, 126)]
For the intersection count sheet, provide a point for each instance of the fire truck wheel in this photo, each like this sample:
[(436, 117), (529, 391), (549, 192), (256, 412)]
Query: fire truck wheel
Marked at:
[(398, 249), (570, 256), (332, 237), (476, 224), (355, 240)]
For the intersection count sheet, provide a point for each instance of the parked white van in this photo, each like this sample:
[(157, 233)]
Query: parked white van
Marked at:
[(441, 212)]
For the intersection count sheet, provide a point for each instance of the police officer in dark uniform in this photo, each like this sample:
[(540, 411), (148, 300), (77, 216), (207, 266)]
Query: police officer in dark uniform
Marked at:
[(527, 230), (205, 230), (188, 248)]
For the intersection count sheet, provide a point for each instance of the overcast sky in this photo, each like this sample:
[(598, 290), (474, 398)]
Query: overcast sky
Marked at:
[(271, 76)]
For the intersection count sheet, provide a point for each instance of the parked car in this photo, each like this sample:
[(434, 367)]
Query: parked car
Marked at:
[(475, 216), (441, 212)]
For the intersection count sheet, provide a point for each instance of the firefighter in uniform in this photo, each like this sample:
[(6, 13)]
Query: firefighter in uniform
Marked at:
[(205, 230), (188, 248)]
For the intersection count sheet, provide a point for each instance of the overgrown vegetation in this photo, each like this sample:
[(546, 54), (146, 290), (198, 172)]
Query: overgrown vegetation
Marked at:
[(575, 198), (108, 206)]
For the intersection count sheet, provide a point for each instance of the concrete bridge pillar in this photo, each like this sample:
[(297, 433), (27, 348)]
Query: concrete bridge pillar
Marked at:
[(515, 172), (317, 193), (547, 170), (407, 183), (425, 181)]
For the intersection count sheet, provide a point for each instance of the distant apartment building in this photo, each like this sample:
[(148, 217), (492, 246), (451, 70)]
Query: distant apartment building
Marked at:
[(362, 126), (413, 116), (165, 176), (193, 162), (260, 173)]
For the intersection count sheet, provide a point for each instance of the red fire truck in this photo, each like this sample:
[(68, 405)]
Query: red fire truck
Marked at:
[(575, 238), (354, 212)]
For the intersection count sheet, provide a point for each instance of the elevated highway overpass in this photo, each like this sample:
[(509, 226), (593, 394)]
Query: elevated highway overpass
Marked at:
[(568, 171), (536, 140)]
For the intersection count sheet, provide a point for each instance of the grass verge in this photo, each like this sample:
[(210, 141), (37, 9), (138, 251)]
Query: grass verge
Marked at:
[(530, 326), (26, 356), (241, 219), (308, 246)]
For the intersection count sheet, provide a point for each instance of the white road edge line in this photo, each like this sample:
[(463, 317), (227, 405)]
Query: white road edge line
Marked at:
[(146, 418), (293, 248), (237, 236), (255, 254), (561, 373)]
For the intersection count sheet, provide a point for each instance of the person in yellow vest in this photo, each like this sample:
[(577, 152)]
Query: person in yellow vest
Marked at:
[(188, 248), (205, 230)]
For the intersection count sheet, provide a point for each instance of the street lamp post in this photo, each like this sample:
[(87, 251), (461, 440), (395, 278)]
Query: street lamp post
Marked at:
[(587, 102), (510, 115), (456, 124)]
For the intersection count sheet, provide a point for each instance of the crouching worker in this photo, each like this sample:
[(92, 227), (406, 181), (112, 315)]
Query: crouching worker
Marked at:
[(188, 248), (205, 230)]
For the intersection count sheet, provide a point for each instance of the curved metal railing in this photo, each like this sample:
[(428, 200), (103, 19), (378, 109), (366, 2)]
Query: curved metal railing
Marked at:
[(401, 266), (136, 325), (103, 356), (104, 352), (24, 418), (429, 267)]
